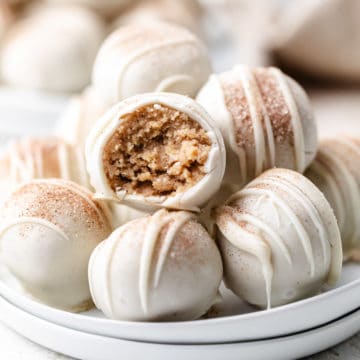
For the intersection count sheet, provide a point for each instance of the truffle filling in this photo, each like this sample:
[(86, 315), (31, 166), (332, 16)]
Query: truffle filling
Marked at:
[(156, 151)]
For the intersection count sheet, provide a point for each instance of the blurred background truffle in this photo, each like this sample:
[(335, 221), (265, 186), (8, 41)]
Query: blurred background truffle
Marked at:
[(319, 38), (59, 45), (186, 13)]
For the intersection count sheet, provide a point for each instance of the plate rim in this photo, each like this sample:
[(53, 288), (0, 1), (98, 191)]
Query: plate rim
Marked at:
[(128, 330), (25, 329)]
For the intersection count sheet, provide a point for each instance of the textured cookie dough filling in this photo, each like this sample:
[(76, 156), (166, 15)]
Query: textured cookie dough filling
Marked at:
[(156, 151)]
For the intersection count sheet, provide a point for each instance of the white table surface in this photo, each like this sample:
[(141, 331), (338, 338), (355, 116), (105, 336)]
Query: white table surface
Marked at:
[(334, 110)]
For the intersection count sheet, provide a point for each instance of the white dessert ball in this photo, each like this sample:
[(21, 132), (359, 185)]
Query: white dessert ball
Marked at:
[(336, 172), (59, 44), (147, 57), (156, 150), (279, 240), (265, 118), (163, 267), (48, 231)]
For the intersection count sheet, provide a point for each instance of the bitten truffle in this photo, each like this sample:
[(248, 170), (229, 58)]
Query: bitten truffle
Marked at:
[(279, 240), (163, 267), (48, 231), (156, 150), (265, 118)]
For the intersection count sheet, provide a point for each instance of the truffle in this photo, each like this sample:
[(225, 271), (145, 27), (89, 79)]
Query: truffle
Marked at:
[(48, 230), (163, 267), (336, 172), (156, 150), (59, 45), (319, 38), (265, 119), (147, 57), (36, 158), (279, 240)]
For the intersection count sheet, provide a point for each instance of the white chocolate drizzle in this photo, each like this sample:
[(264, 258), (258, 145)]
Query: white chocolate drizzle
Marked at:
[(254, 245), (9, 223), (249, 86), (152, 235), (237, 234), (169, 83), (298, 134), (142, 52), (321, 170), (355, 192), (310, 208), (27, 161), (264, 155), (227, 128), (108, 270), (63, 156), (328, 231), (349, 195), (267, 230)]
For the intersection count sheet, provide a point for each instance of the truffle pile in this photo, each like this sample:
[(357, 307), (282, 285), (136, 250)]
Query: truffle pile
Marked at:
[(184, 192), (60, 40)]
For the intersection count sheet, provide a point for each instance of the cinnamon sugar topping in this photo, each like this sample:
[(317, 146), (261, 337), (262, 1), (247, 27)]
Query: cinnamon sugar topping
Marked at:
[(276, 106)]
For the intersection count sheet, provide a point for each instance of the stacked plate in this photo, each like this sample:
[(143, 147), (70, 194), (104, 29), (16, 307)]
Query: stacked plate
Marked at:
[(287, 332)]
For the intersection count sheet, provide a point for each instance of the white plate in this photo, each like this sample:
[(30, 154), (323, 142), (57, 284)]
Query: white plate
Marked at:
[(86, 346), (285, 320)]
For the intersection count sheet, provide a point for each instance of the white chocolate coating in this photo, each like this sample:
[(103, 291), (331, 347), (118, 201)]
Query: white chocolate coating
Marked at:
[(48, 230), (279, 240), (191, 199), (163, 267), (59, 45), (319, 38), (80, 116), (149, 57), (36, 158), (260, 132), (336, 172)]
